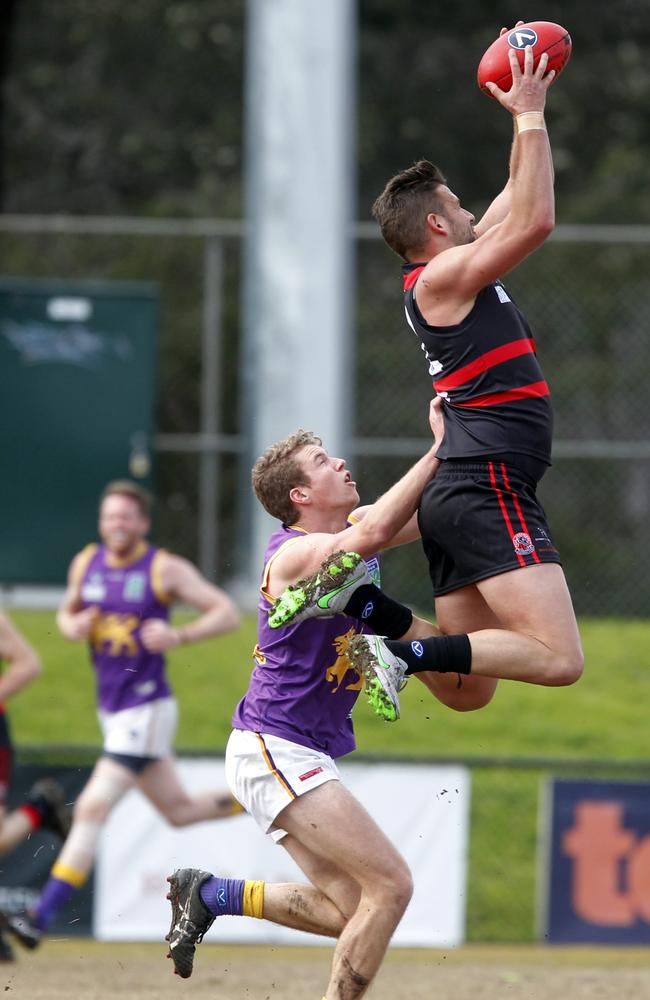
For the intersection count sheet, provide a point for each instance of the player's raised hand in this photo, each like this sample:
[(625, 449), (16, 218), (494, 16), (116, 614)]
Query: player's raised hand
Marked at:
[(529, 86)]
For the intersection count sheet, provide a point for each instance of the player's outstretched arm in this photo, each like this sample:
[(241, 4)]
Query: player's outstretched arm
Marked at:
[(531, 212), (340, 582), (23, 663), (410, 531), (182, 581), (500, 206), (455, 275), (378, 526)]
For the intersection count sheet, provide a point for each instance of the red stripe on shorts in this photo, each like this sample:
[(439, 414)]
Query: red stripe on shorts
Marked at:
[(520, 513), (504, 511)]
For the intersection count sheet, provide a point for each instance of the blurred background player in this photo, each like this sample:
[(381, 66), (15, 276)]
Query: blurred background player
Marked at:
[(118, 599), (45, 806)]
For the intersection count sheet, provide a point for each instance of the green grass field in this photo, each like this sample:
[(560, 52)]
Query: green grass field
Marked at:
[(602, 718)]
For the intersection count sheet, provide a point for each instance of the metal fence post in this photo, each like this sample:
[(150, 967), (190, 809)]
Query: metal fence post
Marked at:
[(211, 350)]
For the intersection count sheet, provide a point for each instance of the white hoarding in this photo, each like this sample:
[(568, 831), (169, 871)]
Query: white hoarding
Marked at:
[(424, 810)]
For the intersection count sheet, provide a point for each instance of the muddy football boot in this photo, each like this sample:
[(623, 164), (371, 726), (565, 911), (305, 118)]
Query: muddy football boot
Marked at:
[(382, 671), (324, 594), (190, 919)]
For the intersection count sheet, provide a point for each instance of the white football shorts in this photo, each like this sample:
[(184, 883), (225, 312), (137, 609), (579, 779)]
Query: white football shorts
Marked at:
[(142, 731), (265, 773)]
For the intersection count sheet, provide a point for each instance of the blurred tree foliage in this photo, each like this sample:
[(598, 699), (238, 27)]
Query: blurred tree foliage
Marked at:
[(137, 108), (111, 108), (125, 108), (7, 15)]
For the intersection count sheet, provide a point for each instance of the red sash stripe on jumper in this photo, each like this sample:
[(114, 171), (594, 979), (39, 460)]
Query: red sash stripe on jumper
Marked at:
[(510, 395), (497, 356)]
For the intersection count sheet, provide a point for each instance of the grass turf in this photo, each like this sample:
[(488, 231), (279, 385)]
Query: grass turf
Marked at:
[(603, 716)]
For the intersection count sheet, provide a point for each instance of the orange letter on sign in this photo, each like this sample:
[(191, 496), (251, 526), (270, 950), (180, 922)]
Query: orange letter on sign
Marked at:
[(597, 843)]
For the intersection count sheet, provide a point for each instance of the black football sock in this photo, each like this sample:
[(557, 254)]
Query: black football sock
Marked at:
[(379, 612), (446, 654)]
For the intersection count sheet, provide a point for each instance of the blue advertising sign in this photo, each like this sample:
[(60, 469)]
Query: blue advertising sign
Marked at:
[(598, 870)]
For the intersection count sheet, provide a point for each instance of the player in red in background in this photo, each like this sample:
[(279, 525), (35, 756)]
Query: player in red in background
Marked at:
[(493, 565), (45, 806), (501, 597)]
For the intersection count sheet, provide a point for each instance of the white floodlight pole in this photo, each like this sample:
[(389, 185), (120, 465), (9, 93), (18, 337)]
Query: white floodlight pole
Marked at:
[(300, 108)]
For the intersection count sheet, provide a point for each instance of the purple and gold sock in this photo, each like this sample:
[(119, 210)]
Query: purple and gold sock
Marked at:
[(55, 894), (238, 897), (223, 895)]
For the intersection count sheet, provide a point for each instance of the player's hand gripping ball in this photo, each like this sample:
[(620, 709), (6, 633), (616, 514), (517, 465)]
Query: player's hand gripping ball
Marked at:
[(542, 36)]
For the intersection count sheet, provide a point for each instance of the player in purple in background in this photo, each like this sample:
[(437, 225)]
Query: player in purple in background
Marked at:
[(118, 599)]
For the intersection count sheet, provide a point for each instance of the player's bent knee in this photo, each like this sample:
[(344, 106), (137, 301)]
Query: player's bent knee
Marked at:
[(402, 893), (97, 800), (466, 694), (567, 669), (471, 701), (178, 813), (177, 819), (573, 672), (396, 890)]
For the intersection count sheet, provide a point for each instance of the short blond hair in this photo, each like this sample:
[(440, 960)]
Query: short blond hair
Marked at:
[(277, 471), (127, 488)]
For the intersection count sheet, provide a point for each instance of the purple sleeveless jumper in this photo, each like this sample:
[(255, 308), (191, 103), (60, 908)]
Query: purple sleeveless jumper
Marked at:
[(126, 595), (303, 687)]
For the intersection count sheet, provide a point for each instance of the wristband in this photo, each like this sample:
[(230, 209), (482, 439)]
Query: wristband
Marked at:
[(379, 612), (529, 120)]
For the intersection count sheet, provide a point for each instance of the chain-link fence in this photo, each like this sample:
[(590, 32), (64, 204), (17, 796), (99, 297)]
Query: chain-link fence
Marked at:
[(588, 301), (586, 296)]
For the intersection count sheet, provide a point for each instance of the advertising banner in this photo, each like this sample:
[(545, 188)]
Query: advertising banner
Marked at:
[(423, 809), (598, 863)]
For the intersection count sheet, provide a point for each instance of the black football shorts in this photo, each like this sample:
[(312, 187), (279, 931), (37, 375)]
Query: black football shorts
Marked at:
[(478, 520)]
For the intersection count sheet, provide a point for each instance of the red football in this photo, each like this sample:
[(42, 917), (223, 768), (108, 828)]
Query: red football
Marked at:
[(543, 36)]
